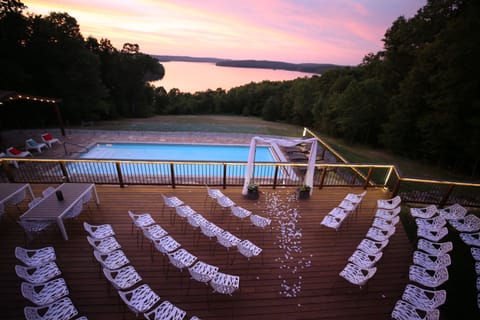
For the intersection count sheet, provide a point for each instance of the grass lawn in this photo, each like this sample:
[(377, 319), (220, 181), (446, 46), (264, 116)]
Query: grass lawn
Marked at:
[(255, 125)]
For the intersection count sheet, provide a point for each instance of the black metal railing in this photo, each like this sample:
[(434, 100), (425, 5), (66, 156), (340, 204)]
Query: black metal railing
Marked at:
[(333, 171)]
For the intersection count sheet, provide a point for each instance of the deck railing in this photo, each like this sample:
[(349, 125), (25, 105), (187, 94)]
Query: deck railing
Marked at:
[(331, 171)]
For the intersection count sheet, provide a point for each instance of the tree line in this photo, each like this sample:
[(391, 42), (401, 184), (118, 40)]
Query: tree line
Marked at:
[(418, 97), (48, 56)]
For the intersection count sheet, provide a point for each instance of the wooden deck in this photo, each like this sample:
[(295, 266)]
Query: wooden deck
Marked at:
[(297, 277)]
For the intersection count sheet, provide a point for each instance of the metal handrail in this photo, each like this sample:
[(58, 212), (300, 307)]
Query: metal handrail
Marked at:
[(153, 172), (73, 144)]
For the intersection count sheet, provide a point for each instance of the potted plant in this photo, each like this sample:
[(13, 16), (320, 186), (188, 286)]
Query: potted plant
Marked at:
[(303, 192), (252, 191)]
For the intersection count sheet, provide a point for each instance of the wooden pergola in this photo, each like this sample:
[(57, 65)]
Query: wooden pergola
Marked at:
[(10, 96)]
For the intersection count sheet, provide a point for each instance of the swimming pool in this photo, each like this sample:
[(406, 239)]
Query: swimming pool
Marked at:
[(154, 159), (176, 152)]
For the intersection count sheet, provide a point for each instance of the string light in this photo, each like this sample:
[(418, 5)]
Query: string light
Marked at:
[(34, 98)]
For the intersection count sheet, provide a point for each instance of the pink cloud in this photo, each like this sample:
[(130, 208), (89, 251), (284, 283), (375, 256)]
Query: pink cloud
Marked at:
[(340, 31)]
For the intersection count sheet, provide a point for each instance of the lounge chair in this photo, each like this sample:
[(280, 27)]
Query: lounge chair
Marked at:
[(32, 144), (49, 140), (292, 149), (297, 157), (14, 152)]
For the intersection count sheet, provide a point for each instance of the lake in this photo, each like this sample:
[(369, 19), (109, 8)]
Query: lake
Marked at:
[(201, 76)]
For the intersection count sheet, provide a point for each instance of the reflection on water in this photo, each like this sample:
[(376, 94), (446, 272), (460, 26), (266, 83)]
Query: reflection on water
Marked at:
[(201, 76)]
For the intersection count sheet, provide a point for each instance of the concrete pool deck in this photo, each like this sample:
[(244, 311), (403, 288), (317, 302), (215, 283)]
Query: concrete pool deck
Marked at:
[(76, 140)]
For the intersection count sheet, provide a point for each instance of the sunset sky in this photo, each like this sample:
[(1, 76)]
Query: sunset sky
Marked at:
[(323, 31)]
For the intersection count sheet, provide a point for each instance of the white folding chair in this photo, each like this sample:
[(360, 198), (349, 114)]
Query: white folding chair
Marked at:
[(45, 293), (62, 309), (363, 259), (471, 239), (104, 245), (431, 262), (331, 222), (112, 260), (123, 278), (425, 212), (370, 246), (455, 211), (424, 299), (379, 234), (389, 204), (426, 277), (35, 257), (225, 283), (434, 248), (432, 224), (166, 311), (181, 259), (406, 311), (388, 214), (153, 233), (432, 235), (171, 202), (470, 223), (203, 272), (140, 299), (357, 275), (40, 274), (98, 231)]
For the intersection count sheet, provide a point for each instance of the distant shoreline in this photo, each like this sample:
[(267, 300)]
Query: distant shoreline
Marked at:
[(316, 68)]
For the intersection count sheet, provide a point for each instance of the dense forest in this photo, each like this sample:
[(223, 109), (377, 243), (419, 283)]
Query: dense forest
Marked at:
[(418, 97)]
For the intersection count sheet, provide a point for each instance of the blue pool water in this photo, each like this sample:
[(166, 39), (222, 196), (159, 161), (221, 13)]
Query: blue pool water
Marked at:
[(170, 152), (176, 152)]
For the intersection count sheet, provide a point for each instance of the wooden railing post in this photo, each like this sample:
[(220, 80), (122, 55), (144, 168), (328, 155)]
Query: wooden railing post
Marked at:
[(8, 171), (172, 174), (224, 175), (275, 175), (369, 176), (120, 175), (395, 188), (446, 196), (322, 177), (65, 177)]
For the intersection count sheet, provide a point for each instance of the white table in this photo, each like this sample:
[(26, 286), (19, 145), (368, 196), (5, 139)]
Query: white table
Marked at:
[(9, 190), (50, 208)]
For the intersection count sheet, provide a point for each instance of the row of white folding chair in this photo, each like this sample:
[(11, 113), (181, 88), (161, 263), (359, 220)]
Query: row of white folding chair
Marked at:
[(218, 198), (352, 201), (433, 219), (389, 204), (361, 264), (469, 223), (452, 212), (334, 219), (200, 271), (384, 224), (432, 226), (224, 237), (43, 287), (209, 229), (39, 265), (140, 298), (123, 276), (188, 213), (429, 269), (180, 258), (242, 213)]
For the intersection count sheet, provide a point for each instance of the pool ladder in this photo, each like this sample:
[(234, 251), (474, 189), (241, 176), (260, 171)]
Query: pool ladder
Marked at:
[(82, 148)]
